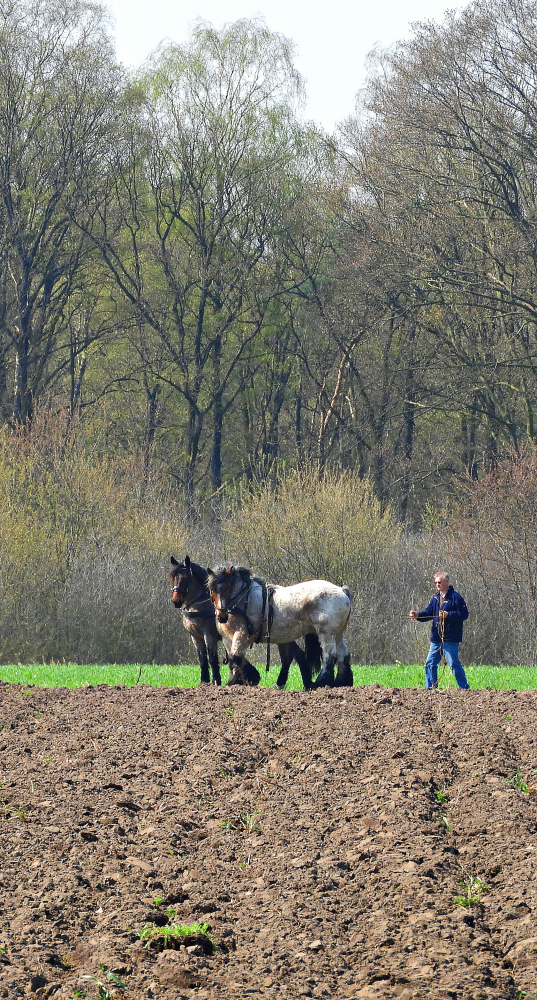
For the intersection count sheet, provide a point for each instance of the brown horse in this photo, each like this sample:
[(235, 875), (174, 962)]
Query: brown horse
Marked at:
[(190, 594), (248, 612)]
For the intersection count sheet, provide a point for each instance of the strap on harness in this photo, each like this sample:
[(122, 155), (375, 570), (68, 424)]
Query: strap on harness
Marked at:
[(270, 619), (196, 612), (266, 607)]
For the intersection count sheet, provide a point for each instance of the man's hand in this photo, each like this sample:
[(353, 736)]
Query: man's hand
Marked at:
[(412, 614), (442, 614)]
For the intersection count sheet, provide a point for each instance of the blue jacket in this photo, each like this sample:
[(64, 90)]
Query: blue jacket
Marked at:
[(457, 613)]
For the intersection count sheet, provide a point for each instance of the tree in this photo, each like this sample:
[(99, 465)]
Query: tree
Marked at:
[(443, 213), (203, 194), (58, 112)]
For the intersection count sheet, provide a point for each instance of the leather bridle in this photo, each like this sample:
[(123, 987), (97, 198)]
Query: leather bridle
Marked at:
[(180, 594)]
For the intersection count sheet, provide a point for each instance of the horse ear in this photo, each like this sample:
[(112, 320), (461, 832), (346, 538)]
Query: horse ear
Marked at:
[(174, 561), (187, 560), (209, 571)]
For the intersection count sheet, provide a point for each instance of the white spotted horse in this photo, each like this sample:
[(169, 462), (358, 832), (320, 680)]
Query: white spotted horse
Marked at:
[(190, 594), (247, 611)]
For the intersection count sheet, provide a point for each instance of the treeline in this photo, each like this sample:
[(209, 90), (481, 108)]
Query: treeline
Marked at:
[(247, 295), (85, 545)]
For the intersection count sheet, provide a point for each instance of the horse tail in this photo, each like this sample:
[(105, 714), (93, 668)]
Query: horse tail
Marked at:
[(314, 653), (347, 592)]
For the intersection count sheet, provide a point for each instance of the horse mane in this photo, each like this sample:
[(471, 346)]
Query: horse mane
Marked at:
[(197, 571), (242, 571)]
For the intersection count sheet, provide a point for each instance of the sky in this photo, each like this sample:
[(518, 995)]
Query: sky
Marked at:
[(332, 39)]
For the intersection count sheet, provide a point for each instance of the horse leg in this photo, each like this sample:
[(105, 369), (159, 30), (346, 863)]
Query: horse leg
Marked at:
[(286, 657), (304, 663), (251, 674), (241, 671), (212, 653), (203, 661), (314, 657), (309, 660), (329, 648), (344, 676), (236, 674)]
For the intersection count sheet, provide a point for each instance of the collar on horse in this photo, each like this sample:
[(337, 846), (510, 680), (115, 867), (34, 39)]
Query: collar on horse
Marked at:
[(267, 609), (193, 611), (240, 607)]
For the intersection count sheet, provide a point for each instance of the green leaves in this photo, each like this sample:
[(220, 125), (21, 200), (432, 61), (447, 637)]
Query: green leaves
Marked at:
[(517, 782), (474, 889)]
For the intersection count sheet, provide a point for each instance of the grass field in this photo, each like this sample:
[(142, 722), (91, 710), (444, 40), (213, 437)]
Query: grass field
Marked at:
[(77, 675)]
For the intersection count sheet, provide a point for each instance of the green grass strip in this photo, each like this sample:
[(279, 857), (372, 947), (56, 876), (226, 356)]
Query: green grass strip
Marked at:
[(74, 675)]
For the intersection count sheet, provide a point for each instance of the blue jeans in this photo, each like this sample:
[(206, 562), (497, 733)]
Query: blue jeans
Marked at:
[(451, 652)]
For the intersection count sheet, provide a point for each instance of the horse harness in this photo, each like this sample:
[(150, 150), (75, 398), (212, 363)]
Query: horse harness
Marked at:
[(267, 608)]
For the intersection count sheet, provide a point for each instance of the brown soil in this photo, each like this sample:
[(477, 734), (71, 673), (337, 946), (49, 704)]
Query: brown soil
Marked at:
[(305, 829)]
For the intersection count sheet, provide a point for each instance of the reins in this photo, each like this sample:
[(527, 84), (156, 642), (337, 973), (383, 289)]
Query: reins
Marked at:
[(442, 633)]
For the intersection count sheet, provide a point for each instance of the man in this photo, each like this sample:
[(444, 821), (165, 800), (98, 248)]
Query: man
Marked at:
[(448, 611)]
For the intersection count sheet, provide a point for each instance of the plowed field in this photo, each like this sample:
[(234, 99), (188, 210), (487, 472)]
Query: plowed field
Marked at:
[(323, 837)]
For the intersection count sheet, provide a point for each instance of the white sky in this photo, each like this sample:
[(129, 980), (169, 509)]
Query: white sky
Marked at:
[(332, 38)]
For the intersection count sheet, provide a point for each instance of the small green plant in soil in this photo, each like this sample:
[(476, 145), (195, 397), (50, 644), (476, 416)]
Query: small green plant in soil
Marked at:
[(104, 992), (474, 889), (14, 812), (517, 782), (173, 932), (440, 796), (202, 801), (246, 822), (443, 823), (158, 901)]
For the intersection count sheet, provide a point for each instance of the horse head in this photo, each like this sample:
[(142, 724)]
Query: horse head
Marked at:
[(180, 577), (221, 582)]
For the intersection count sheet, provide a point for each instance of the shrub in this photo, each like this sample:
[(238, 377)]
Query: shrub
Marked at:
[(84, 543), (490, 535), (307, 527)]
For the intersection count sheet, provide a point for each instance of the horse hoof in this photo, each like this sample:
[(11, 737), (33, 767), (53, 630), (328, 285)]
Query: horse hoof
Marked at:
[(324, 681), (251, 675), (345, 681)]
